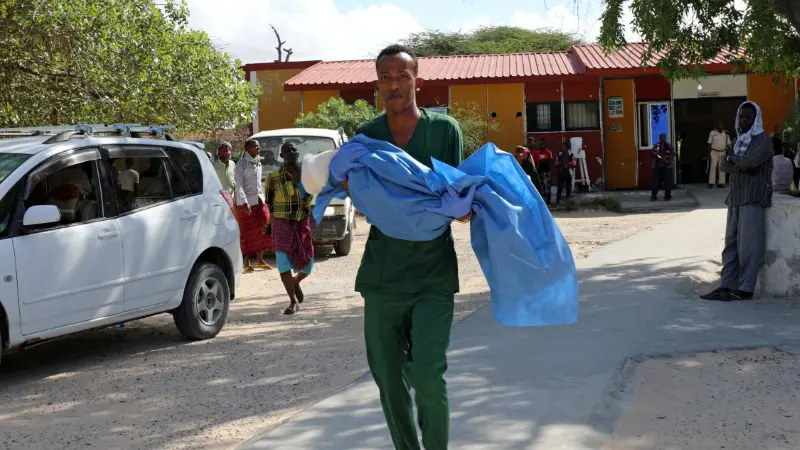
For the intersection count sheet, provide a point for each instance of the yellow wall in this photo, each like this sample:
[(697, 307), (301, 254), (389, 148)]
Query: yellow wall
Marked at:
[(775, 100), (277, 108), (620, 149), (506, 100), (465, 94), (312, 99)]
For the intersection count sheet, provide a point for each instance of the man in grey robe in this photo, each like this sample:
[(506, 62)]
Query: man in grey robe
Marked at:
[(749, 165)]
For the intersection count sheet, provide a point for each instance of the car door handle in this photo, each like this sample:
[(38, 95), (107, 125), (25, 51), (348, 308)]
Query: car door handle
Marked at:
[(188, 217), (107, 234)]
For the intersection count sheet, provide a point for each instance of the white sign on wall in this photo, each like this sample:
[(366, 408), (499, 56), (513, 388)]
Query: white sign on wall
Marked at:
[(713, 86)]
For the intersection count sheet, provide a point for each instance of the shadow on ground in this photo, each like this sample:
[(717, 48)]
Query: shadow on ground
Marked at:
[(557, 387)]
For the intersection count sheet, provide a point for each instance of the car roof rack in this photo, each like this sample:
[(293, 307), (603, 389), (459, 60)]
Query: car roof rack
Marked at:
[(64, 133)]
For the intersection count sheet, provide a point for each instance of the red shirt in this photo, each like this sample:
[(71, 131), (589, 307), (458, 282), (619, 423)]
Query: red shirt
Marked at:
[(539, 155)]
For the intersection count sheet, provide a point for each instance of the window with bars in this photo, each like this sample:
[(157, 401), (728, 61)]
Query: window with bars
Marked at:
[(582, 116), (543, 116)]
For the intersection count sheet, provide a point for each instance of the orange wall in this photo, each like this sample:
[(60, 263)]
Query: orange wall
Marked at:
[(277, 108), (505, 102), (775, 100), (312, 99), (465, 94), (621, 152)]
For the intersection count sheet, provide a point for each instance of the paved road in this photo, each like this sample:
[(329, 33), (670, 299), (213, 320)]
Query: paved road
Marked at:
[(556, 388)]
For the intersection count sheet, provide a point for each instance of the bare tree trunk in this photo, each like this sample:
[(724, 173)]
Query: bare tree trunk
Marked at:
[(288, 54), (791, 10), (280, 46)]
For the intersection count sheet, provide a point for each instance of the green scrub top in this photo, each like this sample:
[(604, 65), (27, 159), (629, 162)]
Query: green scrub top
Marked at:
[(396, 266)]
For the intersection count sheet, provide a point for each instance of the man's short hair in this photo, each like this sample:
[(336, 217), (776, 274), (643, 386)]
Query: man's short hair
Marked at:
[(249, 143), (224, 144), (396, 49)]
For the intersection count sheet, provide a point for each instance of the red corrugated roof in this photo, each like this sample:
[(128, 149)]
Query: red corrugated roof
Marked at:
[(440, 68), (630, 57)]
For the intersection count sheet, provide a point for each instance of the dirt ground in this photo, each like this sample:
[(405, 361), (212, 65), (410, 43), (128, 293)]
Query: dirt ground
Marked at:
[(736, 400), (144, 387)]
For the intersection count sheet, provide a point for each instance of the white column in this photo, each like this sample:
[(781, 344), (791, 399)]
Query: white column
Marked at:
[(254, 82)]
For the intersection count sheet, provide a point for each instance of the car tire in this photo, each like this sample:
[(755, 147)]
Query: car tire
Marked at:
[(342, 248), (205, 304)]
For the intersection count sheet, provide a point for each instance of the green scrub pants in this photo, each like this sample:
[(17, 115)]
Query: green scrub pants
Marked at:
[(407, 338)]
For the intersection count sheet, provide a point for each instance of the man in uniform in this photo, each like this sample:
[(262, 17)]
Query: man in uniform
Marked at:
[(718, 144), (409, 287)]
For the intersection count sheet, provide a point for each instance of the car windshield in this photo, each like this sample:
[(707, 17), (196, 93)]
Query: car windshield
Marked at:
[(306, 145), (9, 163)]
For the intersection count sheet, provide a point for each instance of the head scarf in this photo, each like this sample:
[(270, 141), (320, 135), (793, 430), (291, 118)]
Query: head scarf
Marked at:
[(743, 139)]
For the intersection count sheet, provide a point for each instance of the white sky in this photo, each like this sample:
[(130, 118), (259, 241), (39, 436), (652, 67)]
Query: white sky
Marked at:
[(355, 29)]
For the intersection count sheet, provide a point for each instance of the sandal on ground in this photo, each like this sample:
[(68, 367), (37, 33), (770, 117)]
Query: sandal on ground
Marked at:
[(292, 309), (718, 295), (261, 265), (248, 269), (298, 292)]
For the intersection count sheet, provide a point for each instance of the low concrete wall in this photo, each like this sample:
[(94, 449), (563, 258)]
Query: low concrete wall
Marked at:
[(780, 274)]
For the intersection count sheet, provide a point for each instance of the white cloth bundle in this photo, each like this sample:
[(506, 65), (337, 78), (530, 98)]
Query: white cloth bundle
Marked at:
[(316, 169)]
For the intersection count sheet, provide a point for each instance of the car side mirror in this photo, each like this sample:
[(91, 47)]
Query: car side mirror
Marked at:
[(40, 215)]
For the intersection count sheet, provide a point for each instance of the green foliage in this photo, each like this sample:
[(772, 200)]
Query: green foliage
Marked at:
[(489, 40), (474, 126), (793, 126), (112, 61), (336, 113), (690, 32)]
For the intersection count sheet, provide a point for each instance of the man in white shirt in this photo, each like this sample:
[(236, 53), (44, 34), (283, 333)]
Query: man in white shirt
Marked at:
[(251, 207), (128, 178), (782, 171), (129, 184), (718, 143)]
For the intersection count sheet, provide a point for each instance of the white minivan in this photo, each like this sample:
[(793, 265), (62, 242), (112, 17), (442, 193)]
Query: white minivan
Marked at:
[(96, 231)]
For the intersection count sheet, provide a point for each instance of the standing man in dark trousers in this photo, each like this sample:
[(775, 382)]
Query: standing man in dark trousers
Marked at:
[(750, 168), (565, 163), (409, 287), (662, 168)]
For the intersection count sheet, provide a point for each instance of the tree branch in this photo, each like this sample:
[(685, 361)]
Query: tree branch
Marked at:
[(791, 10), (280, 45)]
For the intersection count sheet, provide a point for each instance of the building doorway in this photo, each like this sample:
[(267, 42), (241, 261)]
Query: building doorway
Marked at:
[(696, 118)]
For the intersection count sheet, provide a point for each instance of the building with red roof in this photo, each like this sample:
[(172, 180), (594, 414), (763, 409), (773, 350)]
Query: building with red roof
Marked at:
[(616, 106)]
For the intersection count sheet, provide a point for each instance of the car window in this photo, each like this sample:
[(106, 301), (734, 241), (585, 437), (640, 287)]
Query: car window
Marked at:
[(73, 188), (306, 145), (189, 167), (9, 163), (6, 205), (140, 182)]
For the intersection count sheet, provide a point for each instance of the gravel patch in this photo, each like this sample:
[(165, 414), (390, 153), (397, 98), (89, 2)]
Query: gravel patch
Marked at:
[(144, 387), (733, 400)]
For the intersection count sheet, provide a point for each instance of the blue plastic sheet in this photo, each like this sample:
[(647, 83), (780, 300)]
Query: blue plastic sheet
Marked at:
[(524, 257)]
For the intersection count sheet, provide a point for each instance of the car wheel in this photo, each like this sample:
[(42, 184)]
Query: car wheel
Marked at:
[(342, 248), (205, 304)]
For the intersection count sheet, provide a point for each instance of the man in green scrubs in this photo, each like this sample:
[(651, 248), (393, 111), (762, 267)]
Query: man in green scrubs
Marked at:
[(408, 287)]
